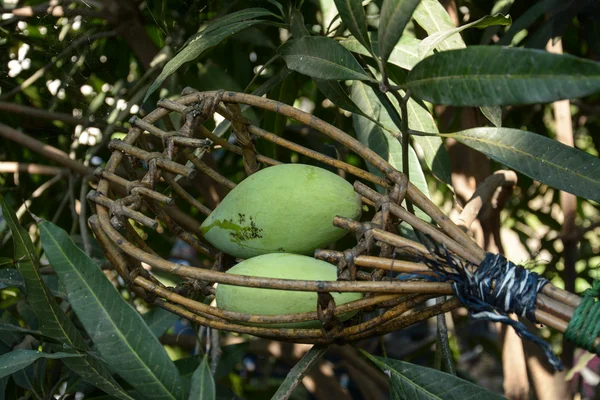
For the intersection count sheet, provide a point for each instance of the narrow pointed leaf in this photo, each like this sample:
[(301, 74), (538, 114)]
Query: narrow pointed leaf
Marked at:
[(395, 14), (410, 381), (322, 58), (381, 141), (297, 25), (527, 19), (493, 75), (432, 41), (159, 320), (117, 330), (296, 374), (434, 18), (203, 383), (353, 15), (538, 157), (435, 154), (198, 45), (405, 54), (493, 114), (18, 359), (53, 321)]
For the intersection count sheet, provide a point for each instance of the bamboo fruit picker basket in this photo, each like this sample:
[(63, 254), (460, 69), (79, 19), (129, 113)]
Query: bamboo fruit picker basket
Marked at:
[(124, 195)]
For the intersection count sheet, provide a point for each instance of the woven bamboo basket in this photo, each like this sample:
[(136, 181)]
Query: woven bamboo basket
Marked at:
[(124, 194)]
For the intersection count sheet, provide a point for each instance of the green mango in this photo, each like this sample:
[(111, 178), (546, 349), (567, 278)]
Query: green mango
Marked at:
[(287, 208), (250, 300)]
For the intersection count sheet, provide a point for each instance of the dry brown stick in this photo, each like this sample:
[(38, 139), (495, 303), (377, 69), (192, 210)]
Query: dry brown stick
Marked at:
[(47, 115), (10, 167), (419, 224), (483, 194), (52, 153), (207, 311), (177, 188)]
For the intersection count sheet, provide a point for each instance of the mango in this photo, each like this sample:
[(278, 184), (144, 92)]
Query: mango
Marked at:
[(287, 208), (276, 302)]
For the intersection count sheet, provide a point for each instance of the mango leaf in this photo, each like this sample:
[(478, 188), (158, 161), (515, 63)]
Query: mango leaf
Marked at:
[(6, 262), (435, 154), (432, 41), (297, 25), (117, 330), (53, 321), (322, 58), (379, 140), (159, 320), (212, 35), (405, 54), (493, 75), (538, 157), (433, 17), (296, 374), (18, 359), (394, 16), (493, 114), (203, 384), (353, 15), (410, 381)]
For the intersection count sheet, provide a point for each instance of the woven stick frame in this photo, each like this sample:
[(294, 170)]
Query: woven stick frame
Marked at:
[(119, 199)]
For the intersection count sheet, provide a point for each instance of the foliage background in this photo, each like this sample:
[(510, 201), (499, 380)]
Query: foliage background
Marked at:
[(89, 65)]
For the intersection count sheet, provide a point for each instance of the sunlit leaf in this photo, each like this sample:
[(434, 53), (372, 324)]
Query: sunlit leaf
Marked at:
[(433, 17), (322, 58), (117, 330), (546, 160), (381, 141), (395, 14), (405, 54), (410, 381), (432, 41), (493, 114)]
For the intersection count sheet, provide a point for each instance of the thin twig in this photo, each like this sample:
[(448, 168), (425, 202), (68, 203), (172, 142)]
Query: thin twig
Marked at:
[(299, 371), (83, 228)]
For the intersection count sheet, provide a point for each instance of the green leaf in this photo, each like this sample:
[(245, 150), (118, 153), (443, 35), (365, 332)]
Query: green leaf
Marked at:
[(18, 359), (493, 114), (432, 41), (53, 321), (297, 25), (405, 54), (433, 17), (195, 47), (203, 384), (435, 154), (6, 262), (322, 58), (159, 320), (6, 327), (493, 75), (117, 330), (353, 15), (394, 16), (410, 381), (294, 377), (232, 355), (381, 141), (538, 157)]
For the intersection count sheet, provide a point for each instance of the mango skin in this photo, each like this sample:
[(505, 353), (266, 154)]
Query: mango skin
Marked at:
[(287, 208), (276, 302)]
